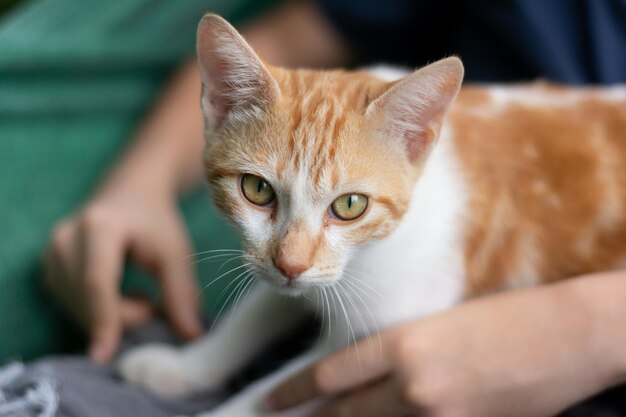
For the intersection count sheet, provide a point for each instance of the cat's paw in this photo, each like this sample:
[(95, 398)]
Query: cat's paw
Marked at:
[(157, 368)]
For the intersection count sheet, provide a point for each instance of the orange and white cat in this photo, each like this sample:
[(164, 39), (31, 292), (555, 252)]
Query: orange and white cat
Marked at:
[(382, 196)]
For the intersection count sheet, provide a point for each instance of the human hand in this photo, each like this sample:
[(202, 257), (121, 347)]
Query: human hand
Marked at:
[(85, 257), (526, 353)]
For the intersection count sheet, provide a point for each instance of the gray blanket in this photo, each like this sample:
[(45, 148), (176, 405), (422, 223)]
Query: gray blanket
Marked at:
[(73, 386)]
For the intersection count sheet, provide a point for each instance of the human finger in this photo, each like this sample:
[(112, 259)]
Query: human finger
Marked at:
[(380, 399), (332, 375), (102, 266), (179, 286)]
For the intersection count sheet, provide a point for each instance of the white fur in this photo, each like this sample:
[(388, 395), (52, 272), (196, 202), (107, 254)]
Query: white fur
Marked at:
[(535, 95), (419, 268), (387, 73)]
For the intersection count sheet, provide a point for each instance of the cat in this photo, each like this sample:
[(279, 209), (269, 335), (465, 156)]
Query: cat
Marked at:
[(381, 196)]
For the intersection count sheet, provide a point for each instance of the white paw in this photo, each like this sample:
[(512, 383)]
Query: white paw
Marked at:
[(157, 368)]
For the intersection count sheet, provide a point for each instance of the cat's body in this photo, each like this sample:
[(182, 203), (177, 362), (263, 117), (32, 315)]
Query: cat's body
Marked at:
[(526, 185)]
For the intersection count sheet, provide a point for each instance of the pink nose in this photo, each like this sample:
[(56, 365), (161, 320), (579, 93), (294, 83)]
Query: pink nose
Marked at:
[(290, 271)]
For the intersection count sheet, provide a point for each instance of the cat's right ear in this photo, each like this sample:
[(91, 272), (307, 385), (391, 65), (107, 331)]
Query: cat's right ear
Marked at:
[(412, 109), (236, 85)]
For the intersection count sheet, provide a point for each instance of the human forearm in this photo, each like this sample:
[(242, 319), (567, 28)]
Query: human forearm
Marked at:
[(298, 34), (600, 301), (546, 348), (531, 353), (165, 154)]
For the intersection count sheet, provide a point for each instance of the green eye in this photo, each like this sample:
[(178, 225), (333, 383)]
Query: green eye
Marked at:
[(349, 206), (257, 190)]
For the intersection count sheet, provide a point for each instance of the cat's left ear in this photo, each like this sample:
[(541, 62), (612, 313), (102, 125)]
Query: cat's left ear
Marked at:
[(236, 85), (412, 109)]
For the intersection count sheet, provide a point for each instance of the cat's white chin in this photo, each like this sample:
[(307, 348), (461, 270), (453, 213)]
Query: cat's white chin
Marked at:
[(292, 289), (298, 287)]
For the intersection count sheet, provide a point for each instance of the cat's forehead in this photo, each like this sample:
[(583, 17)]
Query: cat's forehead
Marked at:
[(321, 121), (308, 89)]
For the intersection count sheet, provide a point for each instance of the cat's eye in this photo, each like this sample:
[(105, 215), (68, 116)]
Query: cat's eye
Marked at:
[(349, 206), (257, 190)]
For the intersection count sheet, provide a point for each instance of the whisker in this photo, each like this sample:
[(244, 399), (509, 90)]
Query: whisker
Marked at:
[(222, 253), (358, 312), (248, 279), (165, 283), (217, 258), (363, 290), (212, 251), (242, 286), (227, 262), (320, 301), (329, 314), (250, 287), (364, 287), (227, 299), (355, 276), (222, 276), (218, 250), (345, 313), (316, 304), (231, 283), (371, 315)]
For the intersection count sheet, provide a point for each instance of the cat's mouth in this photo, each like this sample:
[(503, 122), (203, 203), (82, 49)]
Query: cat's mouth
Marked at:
[(291, 288), (284, 285), (299, 287)]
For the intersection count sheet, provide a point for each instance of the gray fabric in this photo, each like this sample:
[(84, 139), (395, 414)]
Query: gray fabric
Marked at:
[(73, 386)]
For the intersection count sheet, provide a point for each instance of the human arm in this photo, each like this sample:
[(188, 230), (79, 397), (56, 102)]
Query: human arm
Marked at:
[(530, 352)]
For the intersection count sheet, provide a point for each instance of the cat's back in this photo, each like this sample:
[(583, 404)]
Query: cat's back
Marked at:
[(546, 169)]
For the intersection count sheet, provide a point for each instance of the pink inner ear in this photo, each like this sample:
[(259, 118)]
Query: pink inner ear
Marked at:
[(421, 127), (219, 102), (234, 78), (216, 69), (418, 143), (412, 108)]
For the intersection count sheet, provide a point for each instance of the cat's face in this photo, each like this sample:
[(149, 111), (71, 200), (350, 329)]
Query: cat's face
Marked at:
[(312, 164)]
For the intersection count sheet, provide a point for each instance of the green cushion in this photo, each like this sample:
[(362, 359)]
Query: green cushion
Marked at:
[(76, 77)]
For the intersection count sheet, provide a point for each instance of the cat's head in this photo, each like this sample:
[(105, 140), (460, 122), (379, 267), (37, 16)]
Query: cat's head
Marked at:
[(312, 164)]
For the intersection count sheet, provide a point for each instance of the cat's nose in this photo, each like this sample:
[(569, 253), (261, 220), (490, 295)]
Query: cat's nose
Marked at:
[(290, 270)]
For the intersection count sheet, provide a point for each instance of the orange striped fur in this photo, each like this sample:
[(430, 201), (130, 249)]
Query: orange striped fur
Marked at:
[(548, 177)]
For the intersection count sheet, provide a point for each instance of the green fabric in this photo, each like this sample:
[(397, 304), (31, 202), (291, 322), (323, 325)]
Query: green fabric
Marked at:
[(75, 78)]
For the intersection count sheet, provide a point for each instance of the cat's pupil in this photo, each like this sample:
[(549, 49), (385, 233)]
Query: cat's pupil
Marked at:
[(351, 198), (259, 186)]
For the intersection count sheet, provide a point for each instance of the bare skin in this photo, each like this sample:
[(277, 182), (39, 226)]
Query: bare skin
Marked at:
[(134, 211), (522, 353)]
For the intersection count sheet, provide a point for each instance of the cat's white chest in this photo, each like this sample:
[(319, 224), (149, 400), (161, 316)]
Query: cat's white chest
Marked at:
[(417, 270)]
